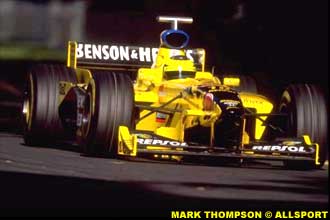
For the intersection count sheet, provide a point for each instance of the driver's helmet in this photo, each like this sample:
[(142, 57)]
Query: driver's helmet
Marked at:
[(179, 67)]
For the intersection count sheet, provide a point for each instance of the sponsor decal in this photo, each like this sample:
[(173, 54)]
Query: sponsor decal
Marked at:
[(160, 117), (143, 135), (281, 148), (291, 142), (125, 54), (150, 141), (116, 53), (252, 101), (230, 103)]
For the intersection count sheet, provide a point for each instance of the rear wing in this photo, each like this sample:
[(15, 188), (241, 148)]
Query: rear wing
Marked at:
[(120, 56)]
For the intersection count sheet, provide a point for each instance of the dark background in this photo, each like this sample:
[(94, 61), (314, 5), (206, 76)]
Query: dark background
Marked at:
[(285, 40), (277, 42)]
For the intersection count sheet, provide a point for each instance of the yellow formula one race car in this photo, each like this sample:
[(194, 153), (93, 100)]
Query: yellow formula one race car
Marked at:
[(173, 109)]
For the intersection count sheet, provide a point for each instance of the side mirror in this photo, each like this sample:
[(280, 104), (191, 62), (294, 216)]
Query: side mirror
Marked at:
[(198, 56), (231, 81)]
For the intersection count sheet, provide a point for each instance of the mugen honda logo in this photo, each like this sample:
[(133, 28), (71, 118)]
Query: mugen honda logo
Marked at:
[(150, 141), (297, 149)]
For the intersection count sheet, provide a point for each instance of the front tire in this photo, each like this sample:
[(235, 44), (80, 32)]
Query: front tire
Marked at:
[(42, 123), (109, 104), (306, 107)]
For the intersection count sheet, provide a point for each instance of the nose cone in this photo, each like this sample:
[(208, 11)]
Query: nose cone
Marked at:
[(229, 103)]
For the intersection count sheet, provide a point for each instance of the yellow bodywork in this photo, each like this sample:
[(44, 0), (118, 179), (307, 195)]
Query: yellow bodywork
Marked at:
[(317, 148), (127, 144), (152, 87), (261, 105)]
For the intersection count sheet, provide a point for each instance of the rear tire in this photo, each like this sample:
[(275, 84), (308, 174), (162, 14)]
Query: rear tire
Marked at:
[(109, 104), (42, 123), (247, 83), (306, 107)]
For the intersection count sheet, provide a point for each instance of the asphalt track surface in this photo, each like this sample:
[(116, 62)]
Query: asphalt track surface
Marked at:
[(60, 177)]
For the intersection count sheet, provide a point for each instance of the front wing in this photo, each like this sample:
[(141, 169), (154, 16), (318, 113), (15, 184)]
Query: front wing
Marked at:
[(136, 143)]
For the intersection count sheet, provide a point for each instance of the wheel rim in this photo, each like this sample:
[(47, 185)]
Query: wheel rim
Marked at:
[(86, 116), (28, 104), (26, 109)]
